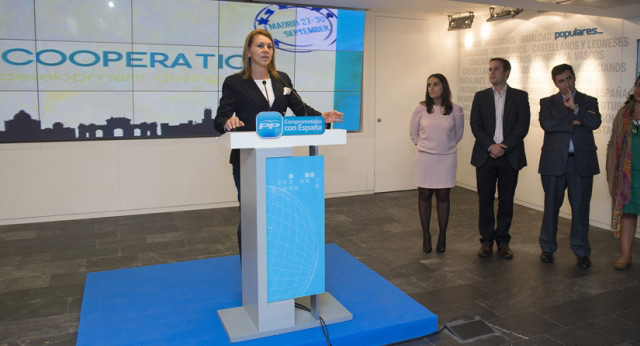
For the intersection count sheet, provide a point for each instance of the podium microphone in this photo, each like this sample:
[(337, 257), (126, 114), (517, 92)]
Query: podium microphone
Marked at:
[(297, 95), (266, 92), (313, 149)]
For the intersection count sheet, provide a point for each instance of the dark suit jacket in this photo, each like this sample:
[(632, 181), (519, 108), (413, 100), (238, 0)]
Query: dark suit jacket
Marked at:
[(243, 98), (557, 122), (515, 125)]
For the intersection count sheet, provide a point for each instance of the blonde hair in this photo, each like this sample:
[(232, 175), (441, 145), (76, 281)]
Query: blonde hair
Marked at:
[(246, 61)]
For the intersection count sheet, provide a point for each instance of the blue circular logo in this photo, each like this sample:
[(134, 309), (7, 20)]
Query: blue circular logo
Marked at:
[(299, 29), (293, 251)]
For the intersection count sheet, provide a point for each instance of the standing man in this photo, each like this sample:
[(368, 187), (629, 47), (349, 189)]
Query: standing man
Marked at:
[(568, 160), (499, 121)]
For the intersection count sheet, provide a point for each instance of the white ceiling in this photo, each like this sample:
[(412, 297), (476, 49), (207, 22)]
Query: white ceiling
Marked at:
[(627, 9)]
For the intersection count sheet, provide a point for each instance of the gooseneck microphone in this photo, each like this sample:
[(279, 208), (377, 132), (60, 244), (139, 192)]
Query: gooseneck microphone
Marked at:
[(266, 92), (297, 95)]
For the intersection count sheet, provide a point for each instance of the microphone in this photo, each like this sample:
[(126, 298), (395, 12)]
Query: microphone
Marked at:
[(329, 125), (266, 92), (297, 95), (313, 149)]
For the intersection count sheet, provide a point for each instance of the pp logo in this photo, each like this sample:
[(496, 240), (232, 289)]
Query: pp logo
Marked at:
[(269, 125)]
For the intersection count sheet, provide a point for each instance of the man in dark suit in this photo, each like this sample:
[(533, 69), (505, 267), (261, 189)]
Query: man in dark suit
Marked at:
[(568, 160), (499, 121)]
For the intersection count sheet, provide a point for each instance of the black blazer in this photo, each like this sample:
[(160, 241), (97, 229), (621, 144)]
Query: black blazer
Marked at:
[(515, 125), (243, 98), (557, 122)]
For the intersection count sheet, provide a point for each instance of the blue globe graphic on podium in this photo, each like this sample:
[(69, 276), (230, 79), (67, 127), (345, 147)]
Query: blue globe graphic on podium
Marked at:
[(292, 250)]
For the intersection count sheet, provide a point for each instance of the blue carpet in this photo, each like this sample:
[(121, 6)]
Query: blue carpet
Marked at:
[(177, 304)]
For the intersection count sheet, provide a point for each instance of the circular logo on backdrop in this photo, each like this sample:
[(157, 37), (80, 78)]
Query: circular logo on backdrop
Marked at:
[(299, 29)]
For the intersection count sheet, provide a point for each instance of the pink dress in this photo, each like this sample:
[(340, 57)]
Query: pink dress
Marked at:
[(436, 137)]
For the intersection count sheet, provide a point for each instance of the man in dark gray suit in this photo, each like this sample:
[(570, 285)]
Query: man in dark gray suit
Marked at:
[(568, 160), (499, 121)]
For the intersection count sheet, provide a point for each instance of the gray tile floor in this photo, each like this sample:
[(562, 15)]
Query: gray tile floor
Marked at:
[(43, 267)]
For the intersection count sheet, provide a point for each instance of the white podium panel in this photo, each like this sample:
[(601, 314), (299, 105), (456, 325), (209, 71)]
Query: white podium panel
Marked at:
[(249, 140)]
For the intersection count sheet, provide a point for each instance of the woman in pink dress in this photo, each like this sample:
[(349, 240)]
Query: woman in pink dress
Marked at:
[(436, 128)]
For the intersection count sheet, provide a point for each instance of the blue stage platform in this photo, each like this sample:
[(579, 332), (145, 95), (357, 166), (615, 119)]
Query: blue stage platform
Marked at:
[(177, 304)]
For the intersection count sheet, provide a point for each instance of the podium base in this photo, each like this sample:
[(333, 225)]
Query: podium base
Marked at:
[(240, 327)]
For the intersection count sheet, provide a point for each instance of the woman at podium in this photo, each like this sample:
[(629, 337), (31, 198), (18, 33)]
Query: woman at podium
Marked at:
[(258, 87)]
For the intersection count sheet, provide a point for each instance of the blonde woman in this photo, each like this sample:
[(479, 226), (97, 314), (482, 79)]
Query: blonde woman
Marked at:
[(258, 87)]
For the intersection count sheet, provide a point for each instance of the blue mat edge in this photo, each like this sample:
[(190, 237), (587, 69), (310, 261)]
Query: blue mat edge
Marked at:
[(388, 334)]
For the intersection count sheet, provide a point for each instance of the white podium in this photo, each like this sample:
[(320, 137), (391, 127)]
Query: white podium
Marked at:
[(257, 317)]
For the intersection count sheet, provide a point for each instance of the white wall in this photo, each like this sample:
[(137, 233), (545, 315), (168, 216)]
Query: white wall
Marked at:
[(407, 51), (145, 176)]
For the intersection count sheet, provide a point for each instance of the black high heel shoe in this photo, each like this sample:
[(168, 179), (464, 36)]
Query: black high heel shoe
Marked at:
[(442, 243), (426, 242)]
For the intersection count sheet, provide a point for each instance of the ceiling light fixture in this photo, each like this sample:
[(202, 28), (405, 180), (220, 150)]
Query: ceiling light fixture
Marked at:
[(460, 22), (506, 13)]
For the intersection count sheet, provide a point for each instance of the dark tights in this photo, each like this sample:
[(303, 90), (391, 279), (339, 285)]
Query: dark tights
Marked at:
[(442, 206)]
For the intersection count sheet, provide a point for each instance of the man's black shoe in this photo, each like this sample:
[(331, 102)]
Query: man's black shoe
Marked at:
[(584, 262), (546, 257)]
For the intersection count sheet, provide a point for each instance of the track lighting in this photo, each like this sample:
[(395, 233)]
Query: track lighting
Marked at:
[(506, 13), (460, 22)]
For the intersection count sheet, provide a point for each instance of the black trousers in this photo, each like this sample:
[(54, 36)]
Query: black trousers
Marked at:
[(496, 172), (580, 189)]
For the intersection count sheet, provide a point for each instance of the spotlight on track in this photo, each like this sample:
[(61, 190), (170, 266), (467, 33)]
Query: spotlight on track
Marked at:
[(506, 13), (460, 22)]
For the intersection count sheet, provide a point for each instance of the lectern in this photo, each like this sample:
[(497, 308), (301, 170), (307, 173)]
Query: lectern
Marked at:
[(282, 236)]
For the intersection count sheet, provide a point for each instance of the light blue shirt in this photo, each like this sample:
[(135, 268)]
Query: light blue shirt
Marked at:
[(498, 99)]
